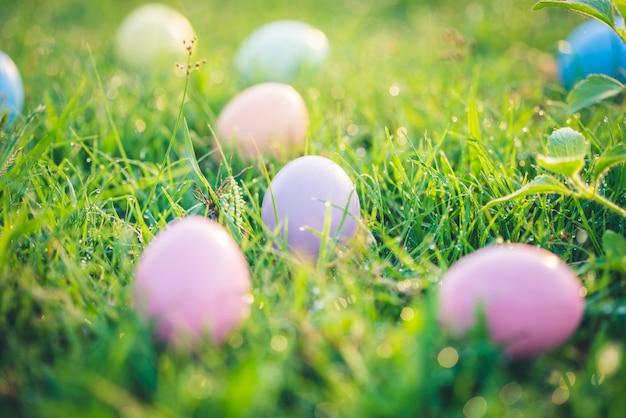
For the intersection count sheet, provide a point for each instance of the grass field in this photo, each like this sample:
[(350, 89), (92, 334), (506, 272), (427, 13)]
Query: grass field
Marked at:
[(433, 108)]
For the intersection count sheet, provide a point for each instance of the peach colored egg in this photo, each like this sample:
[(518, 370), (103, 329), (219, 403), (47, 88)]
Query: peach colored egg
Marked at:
[(192, 280), (268, 118), (530, 298)]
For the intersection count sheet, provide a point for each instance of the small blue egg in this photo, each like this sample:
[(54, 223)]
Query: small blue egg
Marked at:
[(592, 48), (11, 88)]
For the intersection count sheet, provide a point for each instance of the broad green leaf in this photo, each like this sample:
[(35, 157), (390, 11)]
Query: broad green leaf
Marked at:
[(593, 89), (565, 152), (614, 246), (598, 9), (540, 184), (612, 156), (566, 142), (568, 166)]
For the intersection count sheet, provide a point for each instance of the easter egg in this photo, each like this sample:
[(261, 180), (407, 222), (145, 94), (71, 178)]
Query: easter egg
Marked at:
[(280, 51), (152, 36), (305, 194), (192, 280), (592, 48), (530, 299), (268, 118), (11, 87)]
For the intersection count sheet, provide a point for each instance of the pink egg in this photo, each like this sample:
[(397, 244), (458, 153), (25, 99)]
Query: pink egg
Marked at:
[(303, 195), (192, 280), (532, 301), (268, 118)]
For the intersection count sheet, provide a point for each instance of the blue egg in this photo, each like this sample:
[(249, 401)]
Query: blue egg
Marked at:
[(11, 88), (592, 48)]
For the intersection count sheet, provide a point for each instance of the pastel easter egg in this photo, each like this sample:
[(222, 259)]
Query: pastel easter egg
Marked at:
[(592, 48), (531, 300), (152, 36), (11, 87), (305, 194), (192, 280), (280, 51), (270, 119)]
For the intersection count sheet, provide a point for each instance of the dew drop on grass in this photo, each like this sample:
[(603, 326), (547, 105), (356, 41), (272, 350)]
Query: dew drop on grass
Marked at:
[(448, 357), (278, 343), (609, 359), (384, 351), (597, 379), (199, 386), (560, 395), (475, 407), (511, 393)]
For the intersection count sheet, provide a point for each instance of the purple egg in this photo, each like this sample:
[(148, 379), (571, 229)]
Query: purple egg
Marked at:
[(302, 196), (531, 300), (192, 280)]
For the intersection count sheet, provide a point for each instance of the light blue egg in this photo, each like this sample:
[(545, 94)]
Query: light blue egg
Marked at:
[(11, 87), (280, 51), (592, 48)]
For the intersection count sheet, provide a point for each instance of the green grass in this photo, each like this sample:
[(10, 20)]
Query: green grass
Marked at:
[(356, 336)]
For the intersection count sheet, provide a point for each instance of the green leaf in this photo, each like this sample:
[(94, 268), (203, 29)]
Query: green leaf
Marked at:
[(614, 246), (566, 150), (593, 89), (566, 142), (568, 166), (621, 6), (598, 9), (540, 184), (612, 156)]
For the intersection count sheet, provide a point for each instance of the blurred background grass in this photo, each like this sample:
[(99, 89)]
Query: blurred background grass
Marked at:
[(356, 337)]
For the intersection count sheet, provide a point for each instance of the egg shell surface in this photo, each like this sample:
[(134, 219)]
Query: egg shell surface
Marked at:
[(530, 298), (592, 48), (299, 198), (280, 51), (192, 280), (151, 37), (11, 87), (268, 118)]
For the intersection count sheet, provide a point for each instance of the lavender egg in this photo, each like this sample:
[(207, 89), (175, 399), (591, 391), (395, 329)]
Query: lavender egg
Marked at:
[(192, 280), (532, 301), (302, 196)]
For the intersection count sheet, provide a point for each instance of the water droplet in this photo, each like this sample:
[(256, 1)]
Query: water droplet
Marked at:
[(448, 357)]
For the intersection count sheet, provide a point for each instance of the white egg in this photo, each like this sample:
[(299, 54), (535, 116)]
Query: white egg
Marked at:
[(152, 36), (280, 50)]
